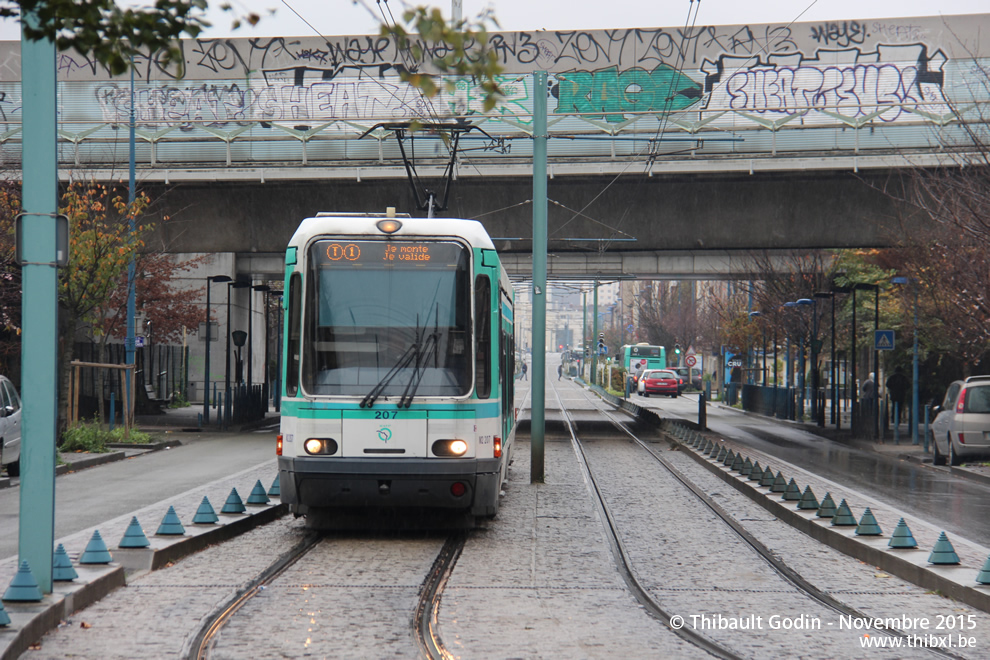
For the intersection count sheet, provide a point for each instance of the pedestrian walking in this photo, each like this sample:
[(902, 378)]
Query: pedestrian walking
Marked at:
[(523, 377), (560, 370)]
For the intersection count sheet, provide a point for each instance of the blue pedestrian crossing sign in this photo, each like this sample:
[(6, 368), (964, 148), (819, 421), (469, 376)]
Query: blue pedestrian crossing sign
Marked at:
[(883, 340)]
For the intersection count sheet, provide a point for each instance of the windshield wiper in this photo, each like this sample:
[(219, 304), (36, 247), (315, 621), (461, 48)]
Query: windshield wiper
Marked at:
[(429, 346), (404, 360)]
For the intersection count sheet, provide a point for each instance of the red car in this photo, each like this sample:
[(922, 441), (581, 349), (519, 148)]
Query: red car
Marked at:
[(659, 381)]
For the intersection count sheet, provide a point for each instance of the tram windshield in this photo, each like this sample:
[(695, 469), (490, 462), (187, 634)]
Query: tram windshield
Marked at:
[(389, 317)]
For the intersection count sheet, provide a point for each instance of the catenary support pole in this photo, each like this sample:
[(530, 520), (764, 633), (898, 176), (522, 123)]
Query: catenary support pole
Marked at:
[(38, 309), (539, 341)]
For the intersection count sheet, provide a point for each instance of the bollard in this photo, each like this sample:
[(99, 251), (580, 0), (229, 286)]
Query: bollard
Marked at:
[(96, 551), (171, 525), (897, 430), (113, 410), (942, 553), (730, 458), (927, 412), (702, 412), (23, 587), (808, 500), (62, 570), (205, 515), (843, 516), (767, 480), (756, 473), (827, 509), (902, 537), (134, 536), (793, 492), (779, 484), (868, 525), (983, 577)]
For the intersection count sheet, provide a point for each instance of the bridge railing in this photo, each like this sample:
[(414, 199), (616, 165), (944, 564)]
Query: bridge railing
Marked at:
[(338, 144)]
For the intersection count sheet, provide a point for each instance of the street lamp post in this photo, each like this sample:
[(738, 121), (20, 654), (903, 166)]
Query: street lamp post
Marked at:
[(821, 413), (814, 354), (914, 364), (264, 288), (206, 375), (763, 330)]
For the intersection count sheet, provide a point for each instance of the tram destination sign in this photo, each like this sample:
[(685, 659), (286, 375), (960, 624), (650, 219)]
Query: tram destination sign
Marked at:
[(336, 253)]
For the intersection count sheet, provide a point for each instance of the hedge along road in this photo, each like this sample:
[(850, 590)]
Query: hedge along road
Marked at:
[(91, 496)]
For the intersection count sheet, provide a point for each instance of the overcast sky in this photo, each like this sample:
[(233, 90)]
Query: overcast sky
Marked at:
[(338, 17), (335, 17)]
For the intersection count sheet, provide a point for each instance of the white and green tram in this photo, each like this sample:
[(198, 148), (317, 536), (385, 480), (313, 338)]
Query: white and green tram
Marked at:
[(398, 373)]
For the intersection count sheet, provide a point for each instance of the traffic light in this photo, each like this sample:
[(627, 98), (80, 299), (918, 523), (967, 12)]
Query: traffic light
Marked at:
[(677, 349), (601, 344)]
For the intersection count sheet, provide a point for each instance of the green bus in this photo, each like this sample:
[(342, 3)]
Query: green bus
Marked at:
[(637, 358)]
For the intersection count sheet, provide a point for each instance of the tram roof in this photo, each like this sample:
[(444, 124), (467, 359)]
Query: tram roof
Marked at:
[(360, 224)]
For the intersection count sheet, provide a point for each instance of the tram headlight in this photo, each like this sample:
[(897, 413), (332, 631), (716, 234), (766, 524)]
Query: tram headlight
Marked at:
[(453, 447), (320, 446)]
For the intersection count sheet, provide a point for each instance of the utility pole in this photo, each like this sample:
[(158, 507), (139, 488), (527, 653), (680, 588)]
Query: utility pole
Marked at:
[(538, 411)]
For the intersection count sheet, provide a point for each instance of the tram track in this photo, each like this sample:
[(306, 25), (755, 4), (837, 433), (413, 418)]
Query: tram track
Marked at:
[(790, 576), (425, 619)]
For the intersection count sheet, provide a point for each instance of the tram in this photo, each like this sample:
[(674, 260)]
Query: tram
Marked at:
[(399, 359)]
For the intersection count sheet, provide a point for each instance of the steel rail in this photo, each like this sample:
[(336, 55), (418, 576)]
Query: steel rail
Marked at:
[(778, 565)]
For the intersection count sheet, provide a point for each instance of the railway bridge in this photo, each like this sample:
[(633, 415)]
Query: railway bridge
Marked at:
[(672, 153)]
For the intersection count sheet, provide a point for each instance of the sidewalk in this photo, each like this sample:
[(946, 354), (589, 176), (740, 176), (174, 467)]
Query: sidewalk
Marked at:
[(902, 448)]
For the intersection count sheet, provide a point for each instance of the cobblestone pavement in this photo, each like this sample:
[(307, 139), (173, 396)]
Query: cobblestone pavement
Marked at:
[(537, 582)]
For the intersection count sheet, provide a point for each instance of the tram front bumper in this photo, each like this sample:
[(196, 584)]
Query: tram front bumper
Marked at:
[(389, 483)]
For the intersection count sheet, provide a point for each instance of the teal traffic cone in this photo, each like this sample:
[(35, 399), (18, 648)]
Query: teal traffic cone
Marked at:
[(205, 515), (722, 453), (767, 480), (983, 577), (747, 467), (171, 525), (779, 484), (134, 536), (808, 499), (827, 509), (793, 492), (233, 503), (275, 490), (756, 473), (23, 587), (843, 516), (62, 570), (943, 552), (713, 454), (730, 458), (868, 525), (4, 617), (96, 551), (258, 495), (737, 463), (902, 536)]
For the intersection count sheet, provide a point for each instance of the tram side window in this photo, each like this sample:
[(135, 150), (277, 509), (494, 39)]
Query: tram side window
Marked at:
[(483, 334), (294, 334)]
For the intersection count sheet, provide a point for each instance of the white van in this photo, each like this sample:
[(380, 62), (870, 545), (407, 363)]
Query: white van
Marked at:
[(10, 427)]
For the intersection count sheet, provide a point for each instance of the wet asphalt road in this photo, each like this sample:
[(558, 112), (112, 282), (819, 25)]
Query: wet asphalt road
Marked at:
[(960, 506)]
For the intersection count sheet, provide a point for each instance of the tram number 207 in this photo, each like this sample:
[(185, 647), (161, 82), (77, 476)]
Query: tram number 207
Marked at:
[(386, 414)]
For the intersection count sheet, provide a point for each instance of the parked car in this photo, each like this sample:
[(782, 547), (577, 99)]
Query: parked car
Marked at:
[(689, 376), (962, 423), (658, 381), (10, 427)]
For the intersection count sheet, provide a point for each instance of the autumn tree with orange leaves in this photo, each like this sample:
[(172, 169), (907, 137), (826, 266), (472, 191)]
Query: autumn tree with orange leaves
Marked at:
[(101, 246)]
